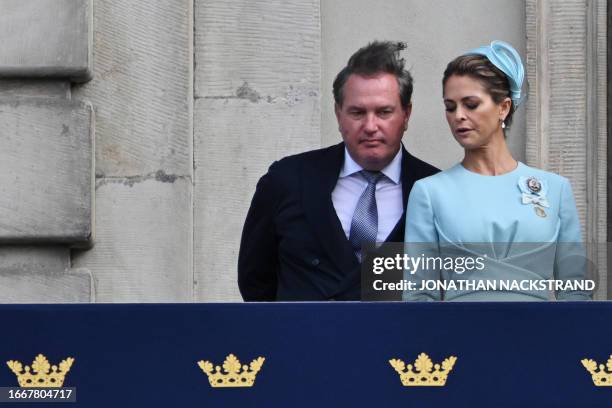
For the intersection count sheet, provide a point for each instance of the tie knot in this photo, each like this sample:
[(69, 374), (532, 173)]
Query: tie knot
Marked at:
[(372, 177)]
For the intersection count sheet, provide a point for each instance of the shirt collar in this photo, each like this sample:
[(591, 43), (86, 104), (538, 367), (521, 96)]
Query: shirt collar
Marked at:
[(392, 171)]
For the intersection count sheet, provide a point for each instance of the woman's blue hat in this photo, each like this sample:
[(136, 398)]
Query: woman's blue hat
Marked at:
[(507, 59)]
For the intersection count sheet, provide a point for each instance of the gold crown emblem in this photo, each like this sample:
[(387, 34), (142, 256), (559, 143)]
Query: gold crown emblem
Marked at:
[(426, 373), (601, 378), (233, 376), (46, 375)]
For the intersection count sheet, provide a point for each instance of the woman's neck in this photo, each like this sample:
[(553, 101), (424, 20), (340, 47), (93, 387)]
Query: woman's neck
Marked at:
[(493, 159)]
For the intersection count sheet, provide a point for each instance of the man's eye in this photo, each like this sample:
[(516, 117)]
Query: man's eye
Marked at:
[(356, 114), (385, 113)]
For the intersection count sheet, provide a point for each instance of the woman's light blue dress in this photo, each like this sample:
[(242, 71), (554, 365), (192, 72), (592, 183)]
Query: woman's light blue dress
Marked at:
[(523, 234)]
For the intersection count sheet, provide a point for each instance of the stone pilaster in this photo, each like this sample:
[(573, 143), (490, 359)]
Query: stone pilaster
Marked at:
[(566, 109), (47, 155)]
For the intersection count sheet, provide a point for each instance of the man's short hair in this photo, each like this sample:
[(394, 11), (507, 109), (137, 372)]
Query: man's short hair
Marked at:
[(375, 58)]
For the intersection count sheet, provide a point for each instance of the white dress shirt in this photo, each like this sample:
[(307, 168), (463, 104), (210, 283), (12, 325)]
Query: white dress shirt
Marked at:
[(351, 184)]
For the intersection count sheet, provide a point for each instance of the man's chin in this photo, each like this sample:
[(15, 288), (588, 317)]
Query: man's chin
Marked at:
[(375, 163), (374, 159)]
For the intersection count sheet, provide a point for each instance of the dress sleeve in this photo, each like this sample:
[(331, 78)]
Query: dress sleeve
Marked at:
[(421, 240), (570, 257)]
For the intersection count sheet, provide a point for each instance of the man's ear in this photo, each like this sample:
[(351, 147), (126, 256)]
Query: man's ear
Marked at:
[(407, 112), (337, 110)]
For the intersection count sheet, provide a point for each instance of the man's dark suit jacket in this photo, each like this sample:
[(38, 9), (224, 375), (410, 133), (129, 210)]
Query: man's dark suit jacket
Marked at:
[(293, 246)]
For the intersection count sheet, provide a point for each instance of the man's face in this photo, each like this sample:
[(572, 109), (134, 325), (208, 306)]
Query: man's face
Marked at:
[(372, 120)]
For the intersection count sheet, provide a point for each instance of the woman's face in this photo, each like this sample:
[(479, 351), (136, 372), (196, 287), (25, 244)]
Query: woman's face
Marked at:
[(474, 118)]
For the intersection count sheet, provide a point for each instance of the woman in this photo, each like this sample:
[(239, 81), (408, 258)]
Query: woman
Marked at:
[(518, 224)]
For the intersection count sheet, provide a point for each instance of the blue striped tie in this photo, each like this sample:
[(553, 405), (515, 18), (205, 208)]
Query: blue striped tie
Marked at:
[(364, 226)]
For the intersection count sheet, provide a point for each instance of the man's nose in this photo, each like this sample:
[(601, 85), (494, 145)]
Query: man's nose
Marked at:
[(371, 123)]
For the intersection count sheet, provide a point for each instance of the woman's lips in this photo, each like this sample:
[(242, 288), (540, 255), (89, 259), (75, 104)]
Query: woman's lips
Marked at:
[(463, 131)]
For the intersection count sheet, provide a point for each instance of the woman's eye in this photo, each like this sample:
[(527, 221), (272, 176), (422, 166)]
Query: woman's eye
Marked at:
[(450, 108), (471, 106)]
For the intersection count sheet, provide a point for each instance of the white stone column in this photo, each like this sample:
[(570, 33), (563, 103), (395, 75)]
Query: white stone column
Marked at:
[(566, 109)]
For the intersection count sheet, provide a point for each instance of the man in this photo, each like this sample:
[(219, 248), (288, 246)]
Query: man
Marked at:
[(312, 212)]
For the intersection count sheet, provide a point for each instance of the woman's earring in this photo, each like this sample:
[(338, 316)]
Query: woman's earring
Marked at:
[(503, 125)]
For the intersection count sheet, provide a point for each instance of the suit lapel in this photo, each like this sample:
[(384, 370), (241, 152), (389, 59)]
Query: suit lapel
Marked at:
[(319, 180), (408, 179)]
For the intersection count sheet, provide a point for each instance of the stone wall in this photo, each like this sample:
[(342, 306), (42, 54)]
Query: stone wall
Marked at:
[(256, 100)]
